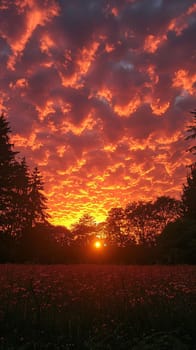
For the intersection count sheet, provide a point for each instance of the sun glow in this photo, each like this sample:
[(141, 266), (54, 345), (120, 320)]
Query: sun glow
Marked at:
[(97, 245)]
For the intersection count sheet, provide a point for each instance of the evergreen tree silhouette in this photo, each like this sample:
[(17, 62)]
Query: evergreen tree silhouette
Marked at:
[(192, 132), (8, 174), (189, 194), (22, 202), (38, 207)]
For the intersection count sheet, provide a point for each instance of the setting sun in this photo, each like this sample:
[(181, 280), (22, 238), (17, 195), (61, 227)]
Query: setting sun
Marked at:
[(97, 245)]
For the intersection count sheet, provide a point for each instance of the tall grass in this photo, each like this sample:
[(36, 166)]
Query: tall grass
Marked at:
[(97, 307)]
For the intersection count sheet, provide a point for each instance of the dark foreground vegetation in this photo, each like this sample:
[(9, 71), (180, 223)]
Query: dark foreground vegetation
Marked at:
[(172, 251), (97, 307)]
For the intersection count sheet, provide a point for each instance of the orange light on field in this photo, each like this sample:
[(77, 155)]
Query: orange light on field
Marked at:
[(97, 245)]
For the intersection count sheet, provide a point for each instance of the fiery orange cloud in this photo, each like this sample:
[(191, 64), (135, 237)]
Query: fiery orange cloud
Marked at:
[(114, 11), (152, 74), (180, 23), (184, 80), (20, 141), (47, 109), (130, 108), (153, 42), (85, 58), (158, 108), (72, 81), (110, 148), (4, 5), (61, 150), (46, 43), (109, 48), (191, 9), (3, 98), (88, 124), (20, 83), (107, 190), (34, 16), (106, 94)]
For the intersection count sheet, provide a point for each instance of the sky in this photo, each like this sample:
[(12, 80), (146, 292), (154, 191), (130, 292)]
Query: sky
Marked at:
[(98, 94)]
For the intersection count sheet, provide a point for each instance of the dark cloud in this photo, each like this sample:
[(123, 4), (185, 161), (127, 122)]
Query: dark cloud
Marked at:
[(142, 123), (12, 22), (42, 84)]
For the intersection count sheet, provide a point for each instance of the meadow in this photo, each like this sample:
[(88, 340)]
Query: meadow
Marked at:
[(97, 307)]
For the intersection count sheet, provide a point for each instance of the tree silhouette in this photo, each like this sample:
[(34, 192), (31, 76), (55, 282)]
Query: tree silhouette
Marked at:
[(8, 174), (84, 230), (189, 194), (166, 210), (21, 203), (37, 200), (147, 219), (62, 235), (177, 242), (141, 221), (192, 133), (117, 230)]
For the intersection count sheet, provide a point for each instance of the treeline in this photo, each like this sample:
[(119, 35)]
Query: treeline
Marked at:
[(22, 202), (159, 231)]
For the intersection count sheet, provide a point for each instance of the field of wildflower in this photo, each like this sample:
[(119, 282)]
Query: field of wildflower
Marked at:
[(97, 307)]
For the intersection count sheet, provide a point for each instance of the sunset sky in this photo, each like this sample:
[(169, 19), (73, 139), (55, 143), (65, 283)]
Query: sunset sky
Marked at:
[(98, 95)]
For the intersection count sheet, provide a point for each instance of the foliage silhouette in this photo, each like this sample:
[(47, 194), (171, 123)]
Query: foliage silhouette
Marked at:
[(37, 199), (178, 242), (189, 194), (117, 228), (192, 132), (22, 203)]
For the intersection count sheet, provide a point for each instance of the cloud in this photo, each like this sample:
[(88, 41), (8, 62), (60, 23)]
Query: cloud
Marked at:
[(98, 95), (25, 18)]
